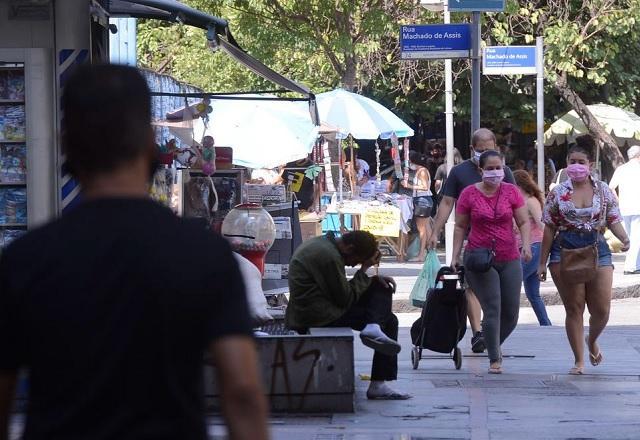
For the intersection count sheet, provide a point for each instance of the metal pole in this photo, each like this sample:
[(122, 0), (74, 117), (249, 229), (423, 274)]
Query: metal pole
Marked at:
[(340, 176), (448, 93), (540, 109), (475, 71)]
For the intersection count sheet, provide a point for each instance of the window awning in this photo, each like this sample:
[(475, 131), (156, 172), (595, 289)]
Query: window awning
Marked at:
[(218, 34)]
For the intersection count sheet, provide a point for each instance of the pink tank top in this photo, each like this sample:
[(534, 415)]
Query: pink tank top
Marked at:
[(536, 231), (535, 234)]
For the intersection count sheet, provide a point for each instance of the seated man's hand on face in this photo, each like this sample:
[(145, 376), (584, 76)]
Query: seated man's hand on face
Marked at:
[(373, 261)]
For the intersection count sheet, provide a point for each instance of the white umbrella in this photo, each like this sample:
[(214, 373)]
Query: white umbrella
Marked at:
[(623, 125), (359, 116), (262, 133)]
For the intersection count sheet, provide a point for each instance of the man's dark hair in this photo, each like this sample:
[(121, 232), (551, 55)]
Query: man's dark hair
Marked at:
[(364, 243), (486, 155), (107, 118)]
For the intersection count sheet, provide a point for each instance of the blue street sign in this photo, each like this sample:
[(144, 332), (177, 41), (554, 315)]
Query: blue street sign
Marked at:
[(435, 41), (509, 60), (476, 5)]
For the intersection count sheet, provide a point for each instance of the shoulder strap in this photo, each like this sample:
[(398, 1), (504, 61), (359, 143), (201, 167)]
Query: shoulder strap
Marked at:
[(495, 207), (495, 213), (603, 205)]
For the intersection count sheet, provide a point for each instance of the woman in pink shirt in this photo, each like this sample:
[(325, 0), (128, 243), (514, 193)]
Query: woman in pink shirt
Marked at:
[(489, 208)]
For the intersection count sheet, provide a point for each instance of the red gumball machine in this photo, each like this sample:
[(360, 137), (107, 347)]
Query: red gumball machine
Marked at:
[(250, 231)]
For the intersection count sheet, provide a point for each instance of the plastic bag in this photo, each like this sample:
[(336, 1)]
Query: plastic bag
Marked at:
[(426, 280), (414, 247)]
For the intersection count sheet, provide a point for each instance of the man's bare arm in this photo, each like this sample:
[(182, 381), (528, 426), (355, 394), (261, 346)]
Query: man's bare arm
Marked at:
[(244, 406), (7, 392), (444, 210)]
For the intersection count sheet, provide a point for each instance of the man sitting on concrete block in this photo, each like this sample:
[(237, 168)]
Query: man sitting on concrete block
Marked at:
[(321, 296)]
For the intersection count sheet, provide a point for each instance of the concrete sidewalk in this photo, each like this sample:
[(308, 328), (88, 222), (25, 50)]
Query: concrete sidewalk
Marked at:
[(534, 398)]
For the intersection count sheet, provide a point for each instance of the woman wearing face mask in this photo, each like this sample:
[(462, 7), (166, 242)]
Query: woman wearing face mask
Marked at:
[(419, 180), (490, 207), (575, 215)]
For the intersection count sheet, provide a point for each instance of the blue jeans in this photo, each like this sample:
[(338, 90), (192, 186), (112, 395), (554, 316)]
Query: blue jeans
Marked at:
[(532, 285)]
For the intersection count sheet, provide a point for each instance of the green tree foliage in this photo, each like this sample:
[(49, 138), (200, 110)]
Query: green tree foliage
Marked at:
[(322, 43), (590, 46), (591, 53)]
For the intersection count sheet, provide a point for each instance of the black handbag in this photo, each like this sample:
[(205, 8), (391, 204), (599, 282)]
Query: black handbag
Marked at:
[(480, 260)]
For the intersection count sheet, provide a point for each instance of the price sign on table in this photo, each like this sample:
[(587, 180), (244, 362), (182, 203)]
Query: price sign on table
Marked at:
[(383, 221)]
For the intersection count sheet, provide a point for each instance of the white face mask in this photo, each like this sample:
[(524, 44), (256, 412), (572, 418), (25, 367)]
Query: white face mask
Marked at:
[(476, 156), (413, 166)]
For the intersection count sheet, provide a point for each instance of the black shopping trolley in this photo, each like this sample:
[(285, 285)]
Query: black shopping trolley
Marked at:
[(443, 321)]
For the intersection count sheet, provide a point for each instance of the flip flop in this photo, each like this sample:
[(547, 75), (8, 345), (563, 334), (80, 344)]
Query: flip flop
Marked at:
[(595, 359), (576, 371), (394, 395), (382, 344)]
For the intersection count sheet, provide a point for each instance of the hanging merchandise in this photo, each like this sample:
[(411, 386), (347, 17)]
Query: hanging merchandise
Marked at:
[(167, 152), (327, 167), (352, 167), (208, 152), (208, 143), (406, 160), (395, 154), (162, 185), (378, 178)]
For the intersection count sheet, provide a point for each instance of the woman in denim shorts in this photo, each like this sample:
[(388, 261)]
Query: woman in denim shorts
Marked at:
[(572, 218)]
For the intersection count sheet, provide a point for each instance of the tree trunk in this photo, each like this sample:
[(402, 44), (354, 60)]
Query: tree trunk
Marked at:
[(348, 79), (610, 149)]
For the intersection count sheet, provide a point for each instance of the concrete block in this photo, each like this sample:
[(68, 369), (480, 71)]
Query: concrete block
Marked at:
[(311, 373)]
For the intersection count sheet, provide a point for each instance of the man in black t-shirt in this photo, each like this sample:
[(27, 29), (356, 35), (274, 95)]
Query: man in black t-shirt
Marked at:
[(112, 307), (462, 175)]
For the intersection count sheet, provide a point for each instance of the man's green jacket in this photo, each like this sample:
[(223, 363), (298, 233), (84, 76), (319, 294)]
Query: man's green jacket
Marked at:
[(319, 290)]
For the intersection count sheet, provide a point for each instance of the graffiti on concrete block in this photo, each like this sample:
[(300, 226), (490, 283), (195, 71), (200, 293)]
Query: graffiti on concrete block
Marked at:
[(287, 366)]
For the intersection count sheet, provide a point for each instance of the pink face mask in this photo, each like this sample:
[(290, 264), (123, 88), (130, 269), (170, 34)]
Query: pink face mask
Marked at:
[(493, 177), (578, 172)]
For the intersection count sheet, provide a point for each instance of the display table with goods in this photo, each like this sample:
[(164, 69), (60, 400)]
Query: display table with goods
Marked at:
[(387, 216)]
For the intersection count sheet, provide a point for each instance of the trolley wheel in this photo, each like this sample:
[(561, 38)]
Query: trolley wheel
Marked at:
[(457, 358), (415, 358)]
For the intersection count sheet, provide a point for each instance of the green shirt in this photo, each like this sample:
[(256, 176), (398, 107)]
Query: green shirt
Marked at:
[(318, 286)]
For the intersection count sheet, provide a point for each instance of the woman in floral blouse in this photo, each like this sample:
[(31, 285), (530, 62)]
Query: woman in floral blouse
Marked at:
[(572, 218)]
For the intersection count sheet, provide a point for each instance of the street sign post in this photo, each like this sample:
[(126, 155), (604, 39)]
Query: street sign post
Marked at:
[(522, 60), (509, 60), (435, 41), (476, 5)]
